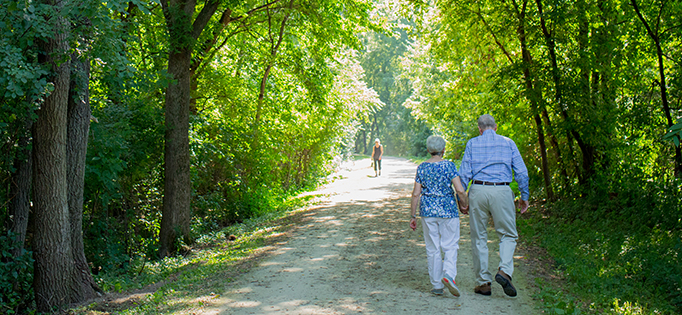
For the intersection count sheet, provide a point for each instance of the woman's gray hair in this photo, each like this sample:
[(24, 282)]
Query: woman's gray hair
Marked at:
[(486, 122), (435, 144)]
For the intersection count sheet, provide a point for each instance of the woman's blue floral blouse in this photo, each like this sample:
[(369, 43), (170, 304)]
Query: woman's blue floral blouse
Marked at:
[(438, 197)]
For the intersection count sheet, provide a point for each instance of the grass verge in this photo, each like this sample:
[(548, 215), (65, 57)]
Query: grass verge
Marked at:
[(603, 266), (186, 284)]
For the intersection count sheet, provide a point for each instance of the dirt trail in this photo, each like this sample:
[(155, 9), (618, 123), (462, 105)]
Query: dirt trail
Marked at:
[(354, 253)]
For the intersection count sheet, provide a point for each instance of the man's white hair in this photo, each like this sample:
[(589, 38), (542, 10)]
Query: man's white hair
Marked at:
[(486, 122)]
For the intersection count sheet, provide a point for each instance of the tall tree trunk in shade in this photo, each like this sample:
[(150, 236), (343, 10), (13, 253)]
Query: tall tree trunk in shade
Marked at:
[(20, 189), (52, 243), (83, 284), (183, 32), (533, 94), (558, 88), (177, 184), (176, 199)]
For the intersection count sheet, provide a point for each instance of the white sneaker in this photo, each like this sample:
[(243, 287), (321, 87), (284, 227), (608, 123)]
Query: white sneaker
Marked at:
[(450, 284)]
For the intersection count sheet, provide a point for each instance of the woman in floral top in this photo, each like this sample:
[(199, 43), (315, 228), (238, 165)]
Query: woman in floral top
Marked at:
[(437, 204)]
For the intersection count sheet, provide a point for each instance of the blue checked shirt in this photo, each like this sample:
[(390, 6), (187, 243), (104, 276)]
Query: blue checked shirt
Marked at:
[(491, 158)]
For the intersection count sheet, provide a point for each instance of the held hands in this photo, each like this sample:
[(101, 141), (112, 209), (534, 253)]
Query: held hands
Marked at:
[(464, 210)]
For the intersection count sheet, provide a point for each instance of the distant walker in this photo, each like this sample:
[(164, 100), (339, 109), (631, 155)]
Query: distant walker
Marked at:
[(377, 153)]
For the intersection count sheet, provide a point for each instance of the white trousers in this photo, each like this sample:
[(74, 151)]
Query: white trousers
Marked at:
[(498, 202), (441, 235)]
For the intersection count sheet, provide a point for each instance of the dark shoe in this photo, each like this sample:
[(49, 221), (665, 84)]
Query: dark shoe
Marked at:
[(483, 289), (437, 291), (505, 281)]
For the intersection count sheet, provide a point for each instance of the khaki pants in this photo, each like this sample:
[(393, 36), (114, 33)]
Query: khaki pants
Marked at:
[(498, 202)]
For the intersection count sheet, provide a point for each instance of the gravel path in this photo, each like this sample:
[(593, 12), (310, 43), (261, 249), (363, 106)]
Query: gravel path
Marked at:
[(354, 253)]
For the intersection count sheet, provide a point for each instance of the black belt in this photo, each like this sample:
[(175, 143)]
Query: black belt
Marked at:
[(478, 182)]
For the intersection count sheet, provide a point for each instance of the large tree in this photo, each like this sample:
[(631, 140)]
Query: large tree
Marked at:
[(184, 29), (52, 241), (83, 286)]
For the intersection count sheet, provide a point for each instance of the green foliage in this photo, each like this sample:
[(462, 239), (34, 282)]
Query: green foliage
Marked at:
[(584, 76), (245, 167), (555, 302), (400, 132), (624, 247), (16, 277), (674, 133)]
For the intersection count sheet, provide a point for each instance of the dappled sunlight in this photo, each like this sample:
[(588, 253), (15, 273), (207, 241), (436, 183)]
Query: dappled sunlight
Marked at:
[(243, 304), (352, 252), (242, 290), (282, 250)]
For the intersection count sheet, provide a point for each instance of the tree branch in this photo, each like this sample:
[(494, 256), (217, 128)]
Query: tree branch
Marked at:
[(204, 16), (492, 33)]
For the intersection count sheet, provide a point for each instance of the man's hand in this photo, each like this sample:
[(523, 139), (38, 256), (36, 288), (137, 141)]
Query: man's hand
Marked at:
[(464, 210), (523, 205), (413, 224)]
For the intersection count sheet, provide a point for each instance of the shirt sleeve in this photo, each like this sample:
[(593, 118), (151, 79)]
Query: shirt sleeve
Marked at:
[(417, 178), (520, 171), (465, 168), (453, 171)]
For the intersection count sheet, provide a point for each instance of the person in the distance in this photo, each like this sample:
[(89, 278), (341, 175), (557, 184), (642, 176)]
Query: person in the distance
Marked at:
[(377, 153)]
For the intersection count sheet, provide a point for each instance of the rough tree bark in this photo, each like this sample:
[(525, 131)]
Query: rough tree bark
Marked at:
[(83, 284), (52, 243), (20, 189), (177, 187)]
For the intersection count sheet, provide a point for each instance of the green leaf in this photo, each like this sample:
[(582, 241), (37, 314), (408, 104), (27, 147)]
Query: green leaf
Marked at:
[(674, 133)]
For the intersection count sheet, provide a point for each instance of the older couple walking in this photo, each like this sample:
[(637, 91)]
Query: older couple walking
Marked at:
[(488, 162)]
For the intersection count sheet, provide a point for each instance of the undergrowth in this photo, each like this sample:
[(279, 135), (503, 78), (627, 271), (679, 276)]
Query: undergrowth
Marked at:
[(618, 248)]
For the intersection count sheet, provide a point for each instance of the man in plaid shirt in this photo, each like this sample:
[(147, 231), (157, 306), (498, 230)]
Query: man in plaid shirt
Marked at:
[(488, 162)]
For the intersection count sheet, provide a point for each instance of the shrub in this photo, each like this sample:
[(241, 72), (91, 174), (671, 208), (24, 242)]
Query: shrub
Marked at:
[(16, 277)]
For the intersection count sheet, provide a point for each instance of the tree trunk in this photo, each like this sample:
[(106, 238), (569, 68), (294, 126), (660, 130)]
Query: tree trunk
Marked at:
[(52, 243), (558, 88), (20, 189), (274, 48), (176, 199), (655, 36), (177, 185), (83, 285), (586, 149), (364, 141), (534, 96)]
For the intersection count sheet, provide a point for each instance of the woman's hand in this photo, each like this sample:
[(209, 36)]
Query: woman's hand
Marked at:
[(413, 224)]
